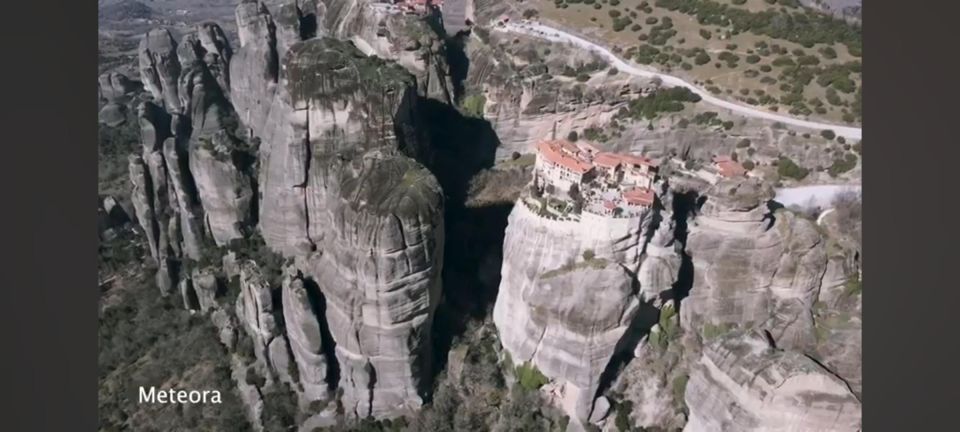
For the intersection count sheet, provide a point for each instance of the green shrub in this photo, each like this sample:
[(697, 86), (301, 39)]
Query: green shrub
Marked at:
[(828, 134), (529, 377), (679, 387), (702, 58), (473, 105), (842, 165), (789, 169), (589, 254), (622, 421), (663, 100)]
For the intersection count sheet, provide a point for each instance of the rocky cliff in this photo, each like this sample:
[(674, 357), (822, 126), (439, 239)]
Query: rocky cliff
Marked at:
[(406, 39), (379, 272), (331, 99), (742, 383), (753, 266), (336, 158), (190, 182), (568, 296)]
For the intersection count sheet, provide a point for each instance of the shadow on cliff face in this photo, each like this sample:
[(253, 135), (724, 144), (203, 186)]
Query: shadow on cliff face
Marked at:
[(646, 317), (685, 206), (319, 305), (462, 147), (455, 50)]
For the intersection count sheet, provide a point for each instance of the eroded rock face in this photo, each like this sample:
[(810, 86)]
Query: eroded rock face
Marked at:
[(660, 268), (115, 90), (382, 222), (405, 39), (224, 189), (332, 99), (256, 312), (160, 68), (255, 68), (303, 327), (115, 86), (741, 383), (561, 311), (198, 170), (752, 267)]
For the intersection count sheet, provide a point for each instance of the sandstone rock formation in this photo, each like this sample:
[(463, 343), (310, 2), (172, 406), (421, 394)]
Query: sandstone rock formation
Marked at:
[(741, 383), (303, 329), (561, 309), (257, 314), (753, 267), (160, 68), (331, 99), (115, 90), (198, 172), (382, 228), (405, 39), (255, 68), (660, 268)]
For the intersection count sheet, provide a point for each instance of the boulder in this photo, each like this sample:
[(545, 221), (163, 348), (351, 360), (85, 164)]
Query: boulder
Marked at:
[(742, 383)]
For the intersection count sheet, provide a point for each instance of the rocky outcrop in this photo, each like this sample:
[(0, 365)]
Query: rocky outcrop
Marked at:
[(115, 91), (224, 189), (381, 222), (753, 267), (403, 38), (567, 297), (257, 313), (660, 268), (160, 68), (527, 95), (255, 68), (198, 170), (332, 99), (303, 329), (741, 383)]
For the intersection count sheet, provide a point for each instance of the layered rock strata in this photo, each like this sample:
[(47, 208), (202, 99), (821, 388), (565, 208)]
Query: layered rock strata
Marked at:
[(199, 186), (564, 310), (753, 267), (406, 39), (379, 272), (741, 383), (660, 268), (332, 99), (115, 91)]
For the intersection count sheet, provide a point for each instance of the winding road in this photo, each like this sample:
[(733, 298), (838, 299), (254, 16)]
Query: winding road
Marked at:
[(556, 35)]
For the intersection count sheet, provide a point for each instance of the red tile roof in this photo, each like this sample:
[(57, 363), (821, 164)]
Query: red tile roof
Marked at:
[(638, 196), (637, 160), (606, 160), (589, 147), (551, 152), (729, 168)]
